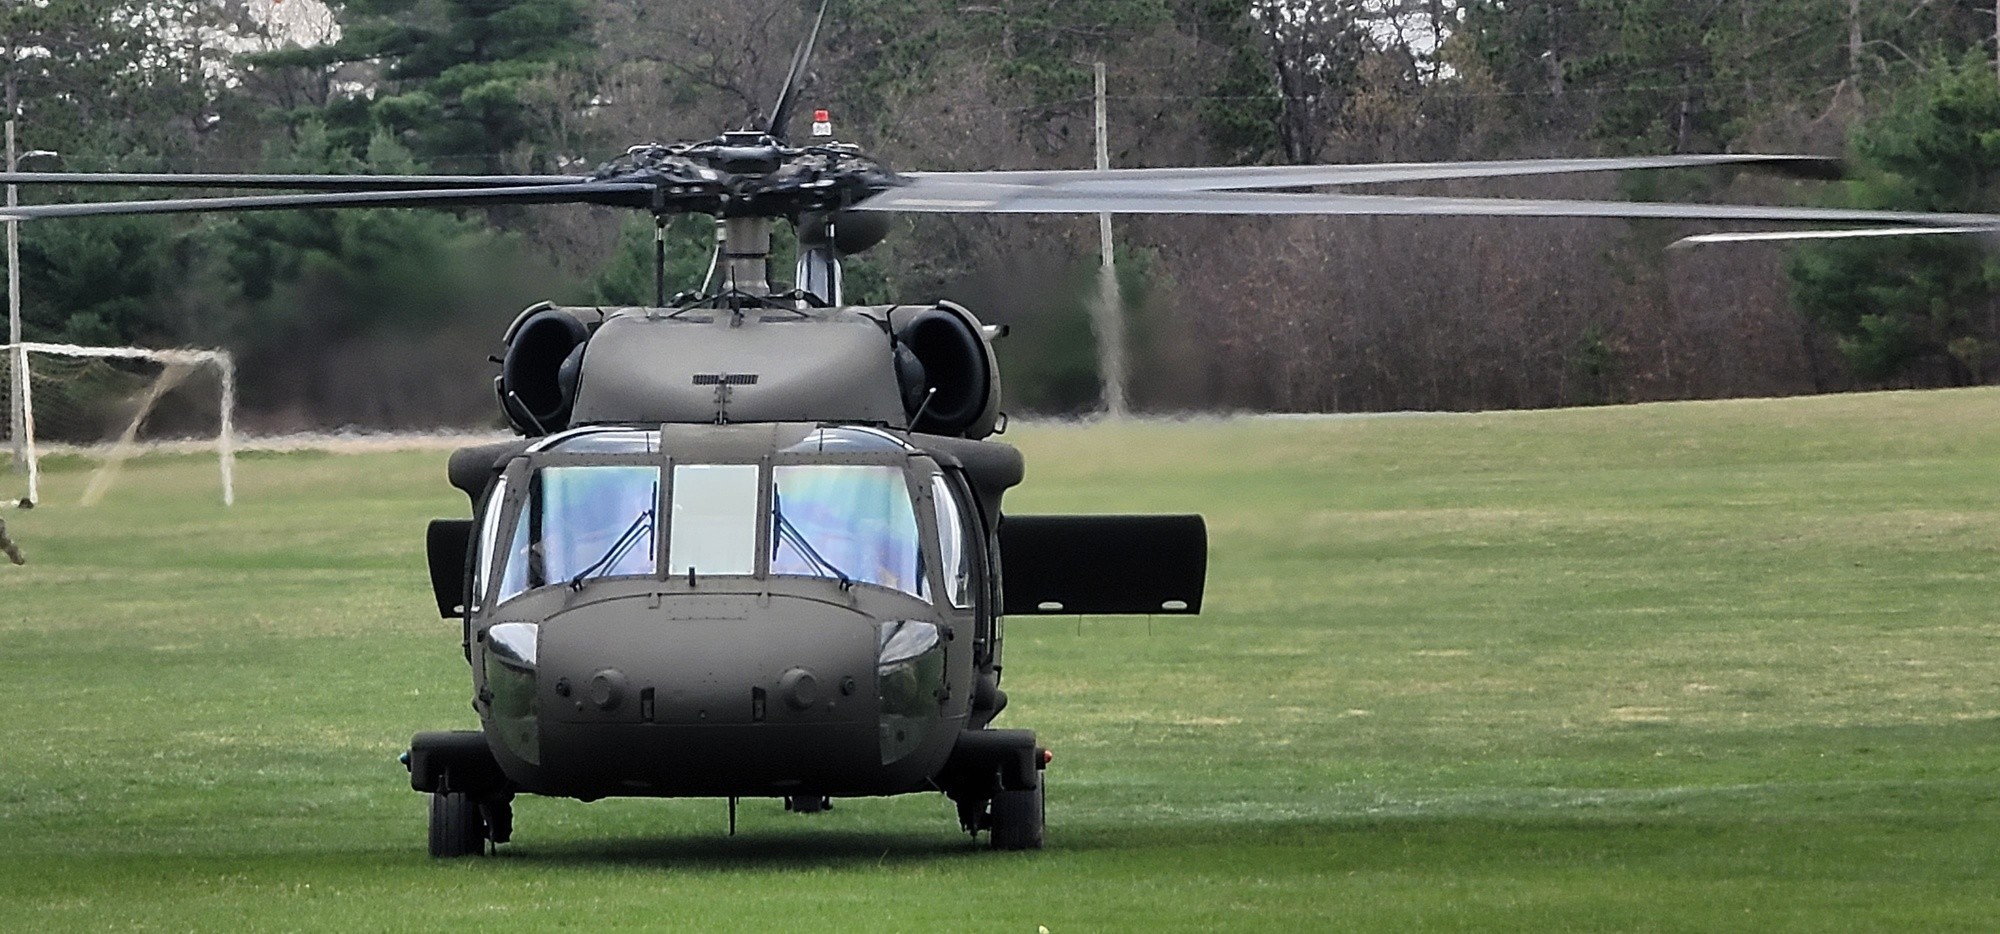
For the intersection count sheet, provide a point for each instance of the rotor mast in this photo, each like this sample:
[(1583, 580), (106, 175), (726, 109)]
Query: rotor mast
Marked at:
[(746, 255)]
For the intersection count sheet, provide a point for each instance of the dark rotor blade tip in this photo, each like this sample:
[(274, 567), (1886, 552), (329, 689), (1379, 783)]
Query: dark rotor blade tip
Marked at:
[(625, 194)]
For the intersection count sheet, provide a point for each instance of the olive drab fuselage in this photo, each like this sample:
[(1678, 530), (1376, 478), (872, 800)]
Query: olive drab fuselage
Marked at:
[(729, 652)]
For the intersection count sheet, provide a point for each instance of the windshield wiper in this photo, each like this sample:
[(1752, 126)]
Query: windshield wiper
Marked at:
[(641, 528), (789, 534)]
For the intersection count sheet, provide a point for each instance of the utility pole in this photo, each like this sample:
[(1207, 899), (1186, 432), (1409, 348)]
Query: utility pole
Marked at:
[(21, 426), (1108, 321), (17, 363), (1854, 42)]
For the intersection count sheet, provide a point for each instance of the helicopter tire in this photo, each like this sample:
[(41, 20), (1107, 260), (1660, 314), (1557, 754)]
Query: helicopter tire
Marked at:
[(1018, 818), (457, 826), (808, 804)]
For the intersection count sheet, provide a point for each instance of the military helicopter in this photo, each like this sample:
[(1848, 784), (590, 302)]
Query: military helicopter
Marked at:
[(750, 541)]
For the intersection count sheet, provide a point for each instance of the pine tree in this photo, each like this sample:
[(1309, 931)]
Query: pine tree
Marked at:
[(459, 82), (1921, 308)]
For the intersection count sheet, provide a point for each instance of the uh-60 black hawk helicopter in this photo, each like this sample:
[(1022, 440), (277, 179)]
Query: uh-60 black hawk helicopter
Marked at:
[(750, 543)]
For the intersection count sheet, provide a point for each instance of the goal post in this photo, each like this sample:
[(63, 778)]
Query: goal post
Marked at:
[(137, 398)]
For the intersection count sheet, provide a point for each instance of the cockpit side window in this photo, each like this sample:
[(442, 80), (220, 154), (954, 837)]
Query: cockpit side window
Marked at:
[(955, 552), (846, 521), (489, 531), (514, 574)]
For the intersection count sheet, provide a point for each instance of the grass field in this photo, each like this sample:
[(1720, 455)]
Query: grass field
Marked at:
[(1682, 667)]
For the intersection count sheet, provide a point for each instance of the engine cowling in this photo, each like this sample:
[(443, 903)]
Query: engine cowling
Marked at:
[(542, 367), (938, 375), (960, 393)]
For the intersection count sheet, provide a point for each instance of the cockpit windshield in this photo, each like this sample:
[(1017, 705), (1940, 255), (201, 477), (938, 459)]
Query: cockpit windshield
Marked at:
[(715, 519), (598, 521), (852, 522), (855, 523), (584, 522)]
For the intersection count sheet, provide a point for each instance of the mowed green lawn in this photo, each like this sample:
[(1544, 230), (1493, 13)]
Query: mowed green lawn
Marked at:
[(1680, 667)]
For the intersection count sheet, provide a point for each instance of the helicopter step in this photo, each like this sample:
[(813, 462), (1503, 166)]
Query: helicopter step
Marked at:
[(454, 761)]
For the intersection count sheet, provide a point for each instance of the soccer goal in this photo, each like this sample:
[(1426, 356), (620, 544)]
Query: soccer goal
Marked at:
[(109, 403)]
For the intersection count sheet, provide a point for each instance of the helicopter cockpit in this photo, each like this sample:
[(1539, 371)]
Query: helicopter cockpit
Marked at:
[(841, 503)]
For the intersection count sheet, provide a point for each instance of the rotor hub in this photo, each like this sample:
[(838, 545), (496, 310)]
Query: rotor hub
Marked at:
[(749, 175)]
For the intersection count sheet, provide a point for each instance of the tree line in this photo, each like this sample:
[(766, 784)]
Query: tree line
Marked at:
[(385, 317)]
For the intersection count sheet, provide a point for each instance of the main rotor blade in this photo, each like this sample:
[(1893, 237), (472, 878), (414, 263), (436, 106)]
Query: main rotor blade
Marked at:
[(1206, 178), (781, 112), (628, 194), (1016, 199), (305, 182), (1761, 236)]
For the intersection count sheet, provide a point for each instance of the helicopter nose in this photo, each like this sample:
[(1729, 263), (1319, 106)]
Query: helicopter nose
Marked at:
[(724, 695), (723, 660)]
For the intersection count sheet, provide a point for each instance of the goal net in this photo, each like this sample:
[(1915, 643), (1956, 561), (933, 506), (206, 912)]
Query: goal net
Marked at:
[(107, 404)]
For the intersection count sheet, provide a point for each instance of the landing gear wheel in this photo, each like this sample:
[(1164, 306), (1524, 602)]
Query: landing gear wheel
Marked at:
[(808, 804), (1017, 819), (457, 827)]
